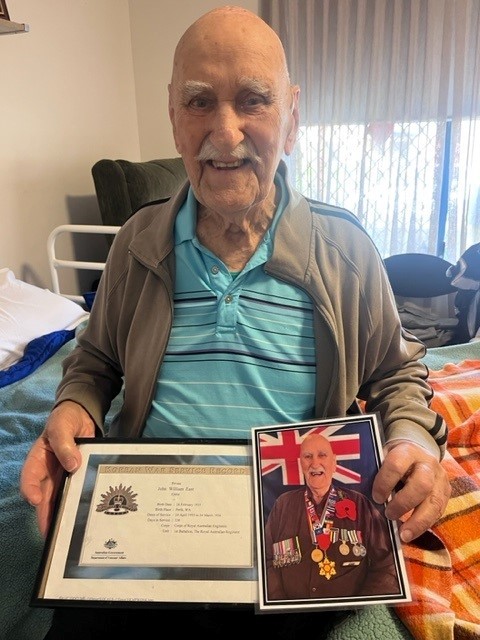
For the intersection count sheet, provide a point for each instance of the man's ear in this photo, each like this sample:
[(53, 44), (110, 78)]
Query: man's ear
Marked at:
[(294, 121), (171, 113)]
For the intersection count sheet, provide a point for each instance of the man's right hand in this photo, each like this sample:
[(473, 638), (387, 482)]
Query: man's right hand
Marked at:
[(52, 452)]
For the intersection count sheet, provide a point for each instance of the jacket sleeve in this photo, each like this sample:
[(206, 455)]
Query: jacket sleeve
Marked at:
[(394, 379), (92, 373)]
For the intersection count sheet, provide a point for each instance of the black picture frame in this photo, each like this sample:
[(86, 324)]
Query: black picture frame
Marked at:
[(149, 523), (276, 454)]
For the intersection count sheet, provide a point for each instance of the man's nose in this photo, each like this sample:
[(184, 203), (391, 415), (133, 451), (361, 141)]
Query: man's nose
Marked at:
[(227, 127)]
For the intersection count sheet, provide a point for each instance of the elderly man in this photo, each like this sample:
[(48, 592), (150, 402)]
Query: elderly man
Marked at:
[(292, 314), (341, 541)]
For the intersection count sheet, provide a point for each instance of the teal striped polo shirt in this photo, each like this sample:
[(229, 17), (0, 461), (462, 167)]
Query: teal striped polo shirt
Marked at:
[(241, 350)]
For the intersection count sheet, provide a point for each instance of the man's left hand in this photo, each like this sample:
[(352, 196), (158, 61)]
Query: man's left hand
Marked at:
[(425, 491)]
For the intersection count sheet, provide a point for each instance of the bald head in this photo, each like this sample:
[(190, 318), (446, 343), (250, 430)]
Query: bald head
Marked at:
[(234, 31), (315, 440)]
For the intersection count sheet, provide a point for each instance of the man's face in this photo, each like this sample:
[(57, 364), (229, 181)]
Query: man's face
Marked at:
[(233, 115), (318, 463)]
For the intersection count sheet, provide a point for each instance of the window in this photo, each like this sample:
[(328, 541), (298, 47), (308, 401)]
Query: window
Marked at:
[(390, 115), (394, 178)]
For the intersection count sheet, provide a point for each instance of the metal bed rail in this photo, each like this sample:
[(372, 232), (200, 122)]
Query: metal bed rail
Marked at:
[(56, 263)]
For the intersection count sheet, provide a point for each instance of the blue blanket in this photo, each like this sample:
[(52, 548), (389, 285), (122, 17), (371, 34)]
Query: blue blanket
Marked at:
[(36, 353), (24, 408)]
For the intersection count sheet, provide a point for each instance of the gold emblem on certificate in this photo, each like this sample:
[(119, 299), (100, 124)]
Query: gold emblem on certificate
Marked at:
[(118, 501)]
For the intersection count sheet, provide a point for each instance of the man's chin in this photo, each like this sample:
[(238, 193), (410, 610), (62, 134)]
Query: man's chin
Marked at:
[(318, 482), (226, 201)]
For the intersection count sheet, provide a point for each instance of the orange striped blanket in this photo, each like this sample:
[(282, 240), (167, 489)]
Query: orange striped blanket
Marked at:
[(444, 564)]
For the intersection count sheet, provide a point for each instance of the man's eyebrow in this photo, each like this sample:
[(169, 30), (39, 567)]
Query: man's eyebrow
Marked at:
[(192, 88), (255, 85)]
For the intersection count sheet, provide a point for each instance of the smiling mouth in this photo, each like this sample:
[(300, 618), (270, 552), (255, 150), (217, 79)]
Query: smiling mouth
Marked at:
[(216, 164), (317, 473)]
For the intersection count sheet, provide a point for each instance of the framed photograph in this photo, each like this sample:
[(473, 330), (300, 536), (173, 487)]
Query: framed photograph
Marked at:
[(321, 540), (152, 522), (4, 10)]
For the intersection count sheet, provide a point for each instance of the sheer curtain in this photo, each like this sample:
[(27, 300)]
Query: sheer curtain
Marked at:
[(390, 115)]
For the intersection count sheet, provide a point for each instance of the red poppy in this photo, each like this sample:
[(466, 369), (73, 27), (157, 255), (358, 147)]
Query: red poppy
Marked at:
[(346, 508)]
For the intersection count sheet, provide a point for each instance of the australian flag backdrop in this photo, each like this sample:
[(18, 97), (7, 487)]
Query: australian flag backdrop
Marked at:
[(353, 443)]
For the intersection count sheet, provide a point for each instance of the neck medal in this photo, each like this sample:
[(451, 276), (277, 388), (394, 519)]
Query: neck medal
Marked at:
[(321, 537), (326, 567)]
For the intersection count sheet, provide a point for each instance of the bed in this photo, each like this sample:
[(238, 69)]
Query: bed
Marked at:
[(444, 565)]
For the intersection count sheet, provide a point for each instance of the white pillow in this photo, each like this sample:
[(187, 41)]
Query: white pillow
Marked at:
[(28, 312)]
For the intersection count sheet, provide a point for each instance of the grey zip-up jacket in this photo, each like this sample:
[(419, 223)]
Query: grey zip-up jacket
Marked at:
[(362, 351)]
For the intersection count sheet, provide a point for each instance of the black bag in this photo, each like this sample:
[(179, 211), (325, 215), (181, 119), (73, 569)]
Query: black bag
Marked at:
[(465, 275)]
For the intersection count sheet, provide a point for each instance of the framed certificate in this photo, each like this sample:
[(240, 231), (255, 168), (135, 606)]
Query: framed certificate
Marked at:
[(147, 522), (321, 540)]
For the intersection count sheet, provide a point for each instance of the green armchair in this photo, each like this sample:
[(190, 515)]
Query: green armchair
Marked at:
[(122, 187)]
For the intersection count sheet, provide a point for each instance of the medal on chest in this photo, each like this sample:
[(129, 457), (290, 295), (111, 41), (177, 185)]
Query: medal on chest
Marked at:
[(321, 537), (286, 553), (359, 549), (326, 567), (344, 548)]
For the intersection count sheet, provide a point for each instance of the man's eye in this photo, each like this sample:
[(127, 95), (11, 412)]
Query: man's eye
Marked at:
[(199, 103), (253, 101)]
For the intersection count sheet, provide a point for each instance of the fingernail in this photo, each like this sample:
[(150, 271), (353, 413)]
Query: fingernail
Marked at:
[(70, 464), (406, 535)]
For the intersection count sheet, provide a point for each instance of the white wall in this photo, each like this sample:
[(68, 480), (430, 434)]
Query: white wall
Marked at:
[(88, 81), (66, 99)]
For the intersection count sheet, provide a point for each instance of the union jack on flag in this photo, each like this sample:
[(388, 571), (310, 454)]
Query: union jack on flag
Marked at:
[(281, 450)]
